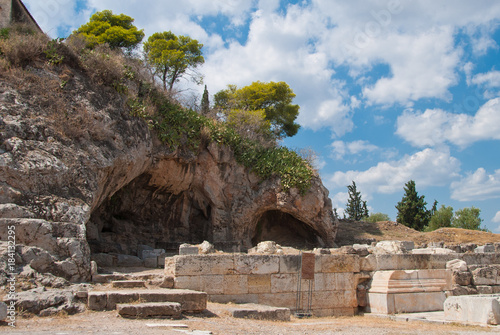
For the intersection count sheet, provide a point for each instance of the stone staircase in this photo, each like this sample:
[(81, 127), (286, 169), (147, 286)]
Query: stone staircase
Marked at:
[(143, 296)]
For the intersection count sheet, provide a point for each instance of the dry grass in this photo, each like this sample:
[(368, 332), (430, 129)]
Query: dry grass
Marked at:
[(350, 232), (23, 46)]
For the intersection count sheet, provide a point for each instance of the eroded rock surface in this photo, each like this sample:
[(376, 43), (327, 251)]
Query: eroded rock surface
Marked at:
[(79, 175)]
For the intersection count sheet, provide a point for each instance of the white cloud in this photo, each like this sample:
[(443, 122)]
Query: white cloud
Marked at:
[(436, 127), (477, 186), (428, 168), (489, 79), (496, 219), (341, 148)]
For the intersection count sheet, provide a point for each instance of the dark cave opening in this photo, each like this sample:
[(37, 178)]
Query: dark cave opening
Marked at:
[(139, 214), (285, 230)]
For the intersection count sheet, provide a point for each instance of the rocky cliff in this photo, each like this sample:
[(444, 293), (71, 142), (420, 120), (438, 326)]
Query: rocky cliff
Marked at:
[(80, 175)]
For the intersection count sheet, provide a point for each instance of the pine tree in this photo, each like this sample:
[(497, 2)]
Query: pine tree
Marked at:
[(355, 208), (205, 103), (411, 209)]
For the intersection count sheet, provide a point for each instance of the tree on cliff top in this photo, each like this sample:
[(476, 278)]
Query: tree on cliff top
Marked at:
[(275, 99), (116, 30), (172, 56)]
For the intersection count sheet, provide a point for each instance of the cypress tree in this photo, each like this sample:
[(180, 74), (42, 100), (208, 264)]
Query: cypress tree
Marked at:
[(411, 209), (355, 208)]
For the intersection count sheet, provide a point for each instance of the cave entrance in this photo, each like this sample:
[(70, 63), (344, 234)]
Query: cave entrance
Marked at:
[(286, 230), (139, 214)]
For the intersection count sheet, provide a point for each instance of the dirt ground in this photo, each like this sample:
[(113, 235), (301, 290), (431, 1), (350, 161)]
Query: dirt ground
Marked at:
[(350, 232), (217, 320)]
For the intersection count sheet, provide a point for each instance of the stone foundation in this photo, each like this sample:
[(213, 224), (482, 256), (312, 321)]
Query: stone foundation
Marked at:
[(383, 283)]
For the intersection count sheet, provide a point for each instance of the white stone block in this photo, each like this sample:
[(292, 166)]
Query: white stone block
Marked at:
[(456, 265), (256, 264), (483, 310)]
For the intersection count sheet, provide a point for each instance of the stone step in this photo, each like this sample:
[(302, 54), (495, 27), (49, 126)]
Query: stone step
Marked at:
[(191, 301), (150, 309), (108, 278), (128, 284), (260, 312)]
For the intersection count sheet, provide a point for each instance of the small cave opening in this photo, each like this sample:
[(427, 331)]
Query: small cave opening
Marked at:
[(140, 214), (285, 230)]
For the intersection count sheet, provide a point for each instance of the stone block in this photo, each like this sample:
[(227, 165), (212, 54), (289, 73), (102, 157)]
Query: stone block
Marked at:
[(212, 284), (151, 262), (368, 263), (281, 283), (380, 303), (287, 300), (339, 263), (188, 282), (289, 264), (152, 253), (104, 260), (141, 248), (97, 301), (128, 284), (150, 309), (259, 284), (161, 260), (261, 312), (432, 251), (235, 298), (463, 278), (256, 264), (235, 284), (456, 265), (485, 276), (326, 282), (3, 311), (129, 261), (484, 289), (203, 265), (361, 249), (167, 282), (484, 249), (185, 250), (484, 310), (334, 299)]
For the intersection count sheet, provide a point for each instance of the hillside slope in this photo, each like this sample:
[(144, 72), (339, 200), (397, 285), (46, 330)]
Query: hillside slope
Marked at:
[(350, 232)]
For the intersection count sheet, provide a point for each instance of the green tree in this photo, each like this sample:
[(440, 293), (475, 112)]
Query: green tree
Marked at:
[(411, 208), (467, 218), (274, 98), (355, 207), (441, 218), (376, 217), (116, 30), (172, 56), (205, 102)]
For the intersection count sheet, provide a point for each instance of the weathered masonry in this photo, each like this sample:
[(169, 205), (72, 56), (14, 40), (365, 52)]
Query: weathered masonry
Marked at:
[(14, 11), (343, 283)]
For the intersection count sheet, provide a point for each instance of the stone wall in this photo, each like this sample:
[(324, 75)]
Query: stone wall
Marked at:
[(270, 280), (342, 282)]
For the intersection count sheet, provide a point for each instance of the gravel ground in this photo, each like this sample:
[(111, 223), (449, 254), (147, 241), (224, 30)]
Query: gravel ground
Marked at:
[(217, 320)]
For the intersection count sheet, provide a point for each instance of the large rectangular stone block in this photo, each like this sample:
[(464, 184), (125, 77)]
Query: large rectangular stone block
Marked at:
[(256, 264), (281, 283), (212, 284), (188, 283), (325, 282), (203, 265), (339, 263), (289, 264), (334, 299), (485, 276), (259, 284), (235, 284), (483, 310)]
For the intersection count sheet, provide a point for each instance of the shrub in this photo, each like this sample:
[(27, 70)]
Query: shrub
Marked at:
[(23, 46)]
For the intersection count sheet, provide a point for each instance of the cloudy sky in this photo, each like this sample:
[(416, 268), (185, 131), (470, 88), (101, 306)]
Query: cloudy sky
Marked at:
[(389, 90)]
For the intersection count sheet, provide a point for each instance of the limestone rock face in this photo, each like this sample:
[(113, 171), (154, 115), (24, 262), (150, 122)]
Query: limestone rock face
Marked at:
[(80, 176)]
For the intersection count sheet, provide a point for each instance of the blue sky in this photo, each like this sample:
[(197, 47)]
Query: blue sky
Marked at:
[(389, 90)]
